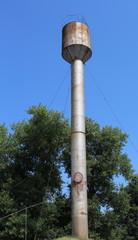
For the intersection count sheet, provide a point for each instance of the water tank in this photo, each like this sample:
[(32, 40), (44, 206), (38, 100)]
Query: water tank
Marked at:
[(76, 43)]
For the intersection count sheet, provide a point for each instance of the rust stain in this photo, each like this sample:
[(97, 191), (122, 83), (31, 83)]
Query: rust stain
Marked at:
[(78, 187), (83, 213), (76, 33)]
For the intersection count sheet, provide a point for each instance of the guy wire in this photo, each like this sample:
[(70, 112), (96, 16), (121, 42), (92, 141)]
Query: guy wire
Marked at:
[(110, 107), (56, 93)]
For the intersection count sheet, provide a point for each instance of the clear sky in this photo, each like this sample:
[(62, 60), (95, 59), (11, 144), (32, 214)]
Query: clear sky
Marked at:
[(32, 69)]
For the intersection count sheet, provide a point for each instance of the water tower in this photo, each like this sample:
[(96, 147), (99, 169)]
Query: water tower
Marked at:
[(76, 49)]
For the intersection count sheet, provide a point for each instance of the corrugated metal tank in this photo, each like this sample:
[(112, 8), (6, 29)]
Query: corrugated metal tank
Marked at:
[(76, 43)]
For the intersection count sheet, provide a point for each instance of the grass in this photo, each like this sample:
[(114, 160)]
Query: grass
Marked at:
[(69, 238)]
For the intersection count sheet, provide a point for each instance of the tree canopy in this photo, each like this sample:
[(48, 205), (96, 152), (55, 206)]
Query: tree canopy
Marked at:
[(33, 155)]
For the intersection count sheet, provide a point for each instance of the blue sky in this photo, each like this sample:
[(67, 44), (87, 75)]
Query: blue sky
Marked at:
[(32, 69)]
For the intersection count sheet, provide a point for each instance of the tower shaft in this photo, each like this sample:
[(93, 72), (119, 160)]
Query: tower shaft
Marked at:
[(78, 153)]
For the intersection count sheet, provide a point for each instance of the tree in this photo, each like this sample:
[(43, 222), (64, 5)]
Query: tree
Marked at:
[(6, 202), (106, 161), (131, 218), (32, 163), (32, 155)]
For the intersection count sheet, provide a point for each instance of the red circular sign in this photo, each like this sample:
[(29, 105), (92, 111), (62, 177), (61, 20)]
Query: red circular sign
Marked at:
[(77, 177)]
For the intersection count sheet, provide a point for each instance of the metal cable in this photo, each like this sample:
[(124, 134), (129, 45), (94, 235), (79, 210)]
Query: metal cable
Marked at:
[(25, 237), (24, 209), (66, 101), (54, 154), (110, 107), (41, 211), (49, 107), (59, 88), (31, 206)]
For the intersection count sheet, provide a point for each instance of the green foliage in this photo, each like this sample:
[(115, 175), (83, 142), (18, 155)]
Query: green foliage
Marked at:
[(14, 227), (106, 160), (131, 218), (31, 173), (31, 158), (4, 145), (38, 144)]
